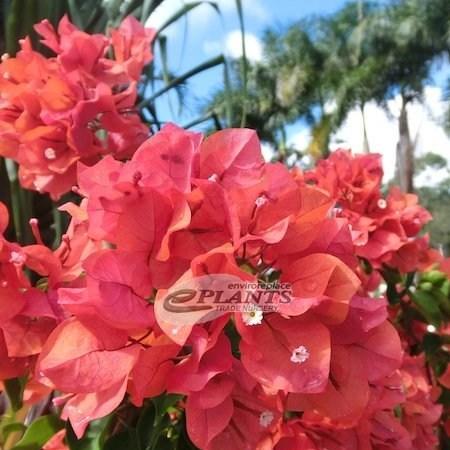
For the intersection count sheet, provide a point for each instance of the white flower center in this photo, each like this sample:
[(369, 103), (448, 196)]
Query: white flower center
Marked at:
[(261, 200), (214, 177), (300, 355), (266, 418), (17, 258), (382, 203), (50, 153), (253, 317)]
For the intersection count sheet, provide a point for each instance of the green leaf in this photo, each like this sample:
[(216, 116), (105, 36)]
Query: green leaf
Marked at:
[(392, 294), (218, 60), (123, 440), (443, 301), (244, 63), (145, 425), (39, 432), (428, 306), (14, 389), (184, 443), (13, 428), (162, 41), (434, 277), (183, 11), (409, 280), (211, 116), (431, 343), (75, 13), (164, 402), (146, 10), (445, 288), (92, 438), (163, 443), (426, 286), (228, 93)]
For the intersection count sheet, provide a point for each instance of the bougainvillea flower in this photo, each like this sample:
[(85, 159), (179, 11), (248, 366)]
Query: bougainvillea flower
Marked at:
[(75, 106), (292, 355), (232, 156), (207, 359), (365, 314), (248, 414), (214, 222), (164, 160), (344, 398), (132, 46), (11, 367), (354, 179), (117, 284), (420, 413), (81, 409), (323, 369), (82, 359), (205, 424), (210, 271), (25, 336), (151, 372), (314, 208), (56, 442), (322, 280)]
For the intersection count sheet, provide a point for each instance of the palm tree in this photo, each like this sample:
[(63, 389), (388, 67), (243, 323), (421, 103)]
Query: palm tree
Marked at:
[(414, 34)]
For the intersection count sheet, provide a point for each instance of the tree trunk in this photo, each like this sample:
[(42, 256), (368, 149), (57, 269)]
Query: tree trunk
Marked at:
[(405, 151), (366, 147)]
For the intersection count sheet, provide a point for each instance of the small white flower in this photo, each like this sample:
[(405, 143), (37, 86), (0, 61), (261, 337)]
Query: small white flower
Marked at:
[(266, 418), (300, 355), (17, 258), (382, 203), (50, 153), (253, 317), (334, 212), (261, 200)]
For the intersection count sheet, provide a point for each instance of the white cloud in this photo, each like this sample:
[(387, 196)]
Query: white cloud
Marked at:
[(201, 17), (233, 46)]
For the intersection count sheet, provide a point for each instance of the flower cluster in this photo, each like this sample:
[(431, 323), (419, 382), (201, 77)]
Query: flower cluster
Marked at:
[(309, 357), (324, 370), (384, 229), (75, 106)]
